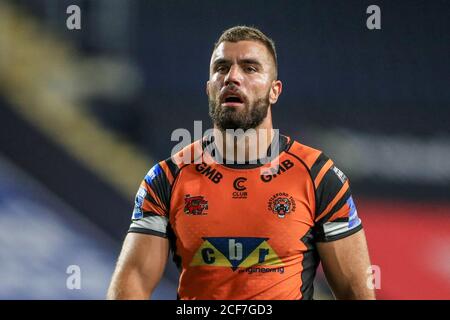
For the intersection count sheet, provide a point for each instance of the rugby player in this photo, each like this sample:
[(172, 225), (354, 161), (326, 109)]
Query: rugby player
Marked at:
[(244, 230)]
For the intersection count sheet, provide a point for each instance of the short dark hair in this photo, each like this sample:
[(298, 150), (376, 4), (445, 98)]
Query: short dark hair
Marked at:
[(242, 33)]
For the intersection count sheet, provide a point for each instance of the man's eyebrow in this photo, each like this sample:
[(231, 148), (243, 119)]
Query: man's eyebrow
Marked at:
[(250, 61), (242, 61), (221, 61)]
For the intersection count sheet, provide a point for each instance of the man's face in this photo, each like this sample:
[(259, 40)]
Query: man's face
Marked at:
[(241, 84)]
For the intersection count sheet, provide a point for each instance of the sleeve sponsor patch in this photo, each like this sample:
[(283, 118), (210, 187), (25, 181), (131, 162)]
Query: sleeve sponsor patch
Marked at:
[(139, 201), (353, 219), (339, 174)]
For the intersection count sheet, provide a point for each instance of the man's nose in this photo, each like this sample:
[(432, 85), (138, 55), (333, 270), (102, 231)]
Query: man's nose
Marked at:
[(233, 76)]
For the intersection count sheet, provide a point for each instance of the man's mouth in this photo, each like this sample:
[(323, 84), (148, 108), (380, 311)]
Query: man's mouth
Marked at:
[(232, 100)]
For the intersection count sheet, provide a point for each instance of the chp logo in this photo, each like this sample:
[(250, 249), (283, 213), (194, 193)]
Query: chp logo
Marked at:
[(196, 205), (281, 204)]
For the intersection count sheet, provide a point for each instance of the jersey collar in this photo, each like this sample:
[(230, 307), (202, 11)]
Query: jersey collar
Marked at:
[(279, 142)]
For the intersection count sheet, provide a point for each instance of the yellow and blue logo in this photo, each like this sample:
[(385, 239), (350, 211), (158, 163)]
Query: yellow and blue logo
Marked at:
[(239, 252)]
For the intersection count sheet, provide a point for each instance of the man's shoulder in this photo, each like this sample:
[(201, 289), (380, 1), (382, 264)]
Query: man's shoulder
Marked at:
[(306, 154), (320, 166), (179, 159)]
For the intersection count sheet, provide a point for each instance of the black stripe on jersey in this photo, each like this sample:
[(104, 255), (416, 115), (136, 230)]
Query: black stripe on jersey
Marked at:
[(161, 187), (175, 177), (173, 246), (153, 201), (318, 164), (327, 190), (309, 266), (209, 146), (173, 168), (207, 140), (308, 240), (341, 219), (147, 231), (336, 207)]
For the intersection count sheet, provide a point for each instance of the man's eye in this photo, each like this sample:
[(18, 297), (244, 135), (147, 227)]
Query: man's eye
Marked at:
[(221, 69), (250, 69)]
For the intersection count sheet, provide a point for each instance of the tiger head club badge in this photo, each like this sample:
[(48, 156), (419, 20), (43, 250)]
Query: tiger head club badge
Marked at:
[(281, 204)]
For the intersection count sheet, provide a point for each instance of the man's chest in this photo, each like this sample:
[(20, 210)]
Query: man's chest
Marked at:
[(248, 207)]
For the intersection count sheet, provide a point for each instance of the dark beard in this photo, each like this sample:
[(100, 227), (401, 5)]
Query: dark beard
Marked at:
[(230, 118)]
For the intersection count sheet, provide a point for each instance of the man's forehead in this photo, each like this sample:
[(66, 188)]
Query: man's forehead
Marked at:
[(245, 49)]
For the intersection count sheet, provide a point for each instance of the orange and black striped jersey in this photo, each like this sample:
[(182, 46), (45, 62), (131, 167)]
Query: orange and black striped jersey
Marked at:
[(246, 231)]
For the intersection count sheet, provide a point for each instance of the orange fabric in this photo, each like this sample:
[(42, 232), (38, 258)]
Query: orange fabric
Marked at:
[(244, 222), (307, 154)]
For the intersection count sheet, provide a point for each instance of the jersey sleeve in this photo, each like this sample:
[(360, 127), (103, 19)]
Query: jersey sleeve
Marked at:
[(152, 201), (336, 216)]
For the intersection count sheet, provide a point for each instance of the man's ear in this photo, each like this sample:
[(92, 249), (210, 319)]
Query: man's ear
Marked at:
[(207, 88), (275, 91)]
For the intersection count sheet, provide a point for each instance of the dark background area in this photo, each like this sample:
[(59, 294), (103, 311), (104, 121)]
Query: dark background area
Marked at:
[(336, 72)]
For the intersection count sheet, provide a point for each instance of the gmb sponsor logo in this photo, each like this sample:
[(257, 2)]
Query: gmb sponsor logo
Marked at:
[(242, 253), (272, 173), (212, 174)]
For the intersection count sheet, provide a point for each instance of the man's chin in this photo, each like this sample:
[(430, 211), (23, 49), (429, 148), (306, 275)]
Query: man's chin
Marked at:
[(234, 116), (235, 125)]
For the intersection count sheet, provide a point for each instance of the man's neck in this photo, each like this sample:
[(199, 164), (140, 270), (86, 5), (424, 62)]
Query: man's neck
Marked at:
[(251, 145)]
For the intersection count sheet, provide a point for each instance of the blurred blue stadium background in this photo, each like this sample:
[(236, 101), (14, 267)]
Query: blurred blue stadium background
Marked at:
[(85, 113)]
